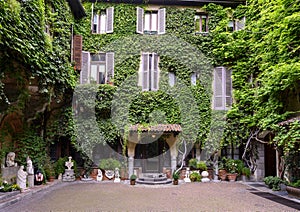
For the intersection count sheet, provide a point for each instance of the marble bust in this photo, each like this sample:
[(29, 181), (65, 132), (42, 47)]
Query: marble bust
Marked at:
[(10, 159)]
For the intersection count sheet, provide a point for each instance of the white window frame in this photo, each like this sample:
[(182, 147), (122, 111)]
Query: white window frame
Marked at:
[(222, 89), (106, 18), (172, 79), (86, 68), (201, 15), (149, 72), (143, 16), (237, 24)]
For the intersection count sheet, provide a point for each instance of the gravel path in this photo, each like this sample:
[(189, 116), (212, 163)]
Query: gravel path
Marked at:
[(107, 196)]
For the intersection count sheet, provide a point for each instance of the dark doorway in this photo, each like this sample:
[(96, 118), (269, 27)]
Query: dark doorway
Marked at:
[(270, 160)]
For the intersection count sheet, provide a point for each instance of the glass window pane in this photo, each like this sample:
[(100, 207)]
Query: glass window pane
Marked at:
[(94, 73), (103, 22), (147, 22), (154, 22), (197, 23)]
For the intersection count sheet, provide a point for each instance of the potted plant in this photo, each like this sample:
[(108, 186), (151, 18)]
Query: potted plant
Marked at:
[(232, 169), (49, 170), (246, 172), (193, 163), (175, 176), (293, 189), (133, 179), (222, 170), (273, 182), (201, 165), (195, 177)]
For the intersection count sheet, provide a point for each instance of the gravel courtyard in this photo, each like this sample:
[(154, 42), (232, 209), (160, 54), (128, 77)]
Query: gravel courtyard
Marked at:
[(107, 196)]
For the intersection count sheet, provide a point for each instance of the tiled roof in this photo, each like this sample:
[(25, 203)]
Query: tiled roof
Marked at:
[(287, 122), (157, 128)]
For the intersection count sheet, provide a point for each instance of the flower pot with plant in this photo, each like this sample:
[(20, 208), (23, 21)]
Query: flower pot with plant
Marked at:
[(201, 166), (175, 176), (293, 189), (193, 163), (195, 176), (109, 165), (133, 178)]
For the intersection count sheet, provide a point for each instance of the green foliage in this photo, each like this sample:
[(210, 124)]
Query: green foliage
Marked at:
[(273, 182), (295, 184), (195, 177), (6, 187), (193, 163), (109, 164), (133, 177), (201, 165), (246, 171), (176, 175)]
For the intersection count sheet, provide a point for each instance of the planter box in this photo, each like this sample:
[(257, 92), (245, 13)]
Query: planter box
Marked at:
[(293, 191)]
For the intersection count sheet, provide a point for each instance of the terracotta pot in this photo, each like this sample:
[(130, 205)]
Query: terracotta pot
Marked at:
[(175, 182), (222, 174), (231, 177), (132, 182), (51, 178)]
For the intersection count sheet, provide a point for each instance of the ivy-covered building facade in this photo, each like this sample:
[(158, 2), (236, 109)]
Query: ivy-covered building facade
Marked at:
[(152, 84)]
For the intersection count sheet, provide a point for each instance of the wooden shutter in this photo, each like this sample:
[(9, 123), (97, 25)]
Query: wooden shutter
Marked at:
[(154, 72), (218, 87), (140, 20), (77, 51), (110, 20), (228, 87), (145, 72), (85, 67), (109, 67), (161, 21)]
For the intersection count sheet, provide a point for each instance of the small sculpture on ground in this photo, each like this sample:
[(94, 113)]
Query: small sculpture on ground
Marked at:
[(117, 176), (30, 172), (10, 159), (99, 175), (21, 178), (39, 177), (69, 163)]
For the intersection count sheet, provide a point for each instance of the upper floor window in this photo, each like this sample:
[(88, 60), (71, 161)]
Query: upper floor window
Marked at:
[(149, 72), (201, 23), (172, 79), (103, 21), (151, 22), (222, 88), (236, 25), (97, 68)]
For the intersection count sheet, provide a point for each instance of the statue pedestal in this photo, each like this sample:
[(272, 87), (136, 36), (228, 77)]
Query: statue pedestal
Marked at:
[(9, 173), (30, 180), (68, 175)]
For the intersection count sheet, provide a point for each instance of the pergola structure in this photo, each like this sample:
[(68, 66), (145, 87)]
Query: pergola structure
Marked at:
[(135, 136)]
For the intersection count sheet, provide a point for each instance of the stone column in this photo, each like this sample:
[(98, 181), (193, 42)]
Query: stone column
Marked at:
[(131, 153), (171, 141)]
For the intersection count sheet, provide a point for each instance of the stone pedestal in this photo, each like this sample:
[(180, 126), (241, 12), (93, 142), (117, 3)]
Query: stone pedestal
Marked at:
[(30, 180), (10, 173), (68, 175)]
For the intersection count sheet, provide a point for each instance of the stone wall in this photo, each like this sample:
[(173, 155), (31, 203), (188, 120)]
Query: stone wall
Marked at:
[(259, 174), (10, 173)]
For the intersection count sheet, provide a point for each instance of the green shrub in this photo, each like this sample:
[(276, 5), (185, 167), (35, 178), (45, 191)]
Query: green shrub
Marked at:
[(176, 175), (193, 163), (109, 164), (133, 177), (295, 184), (195, 177), (202, 166), (246, 171), (273, 182)]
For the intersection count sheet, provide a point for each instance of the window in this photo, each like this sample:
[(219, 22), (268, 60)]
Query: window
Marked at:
[(172, 79), (102, 22), (236, 25), (149, 72), (151, 22), (222, 87), (97, 68), (201, 23), (194, 79)]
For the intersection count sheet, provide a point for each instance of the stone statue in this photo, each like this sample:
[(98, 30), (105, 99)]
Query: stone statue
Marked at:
[(69, 163), (21, 178), (29, 167), (10, 159), (30, 172), (117, 176), (99, 175)]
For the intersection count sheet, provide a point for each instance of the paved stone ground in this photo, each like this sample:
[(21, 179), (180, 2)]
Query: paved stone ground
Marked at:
[(107, 196)]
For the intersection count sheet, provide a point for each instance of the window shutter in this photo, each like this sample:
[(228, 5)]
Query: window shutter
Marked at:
[(218, 89), (77, 50), (145, 72), (172, 79), (110, 20), (85, 67), (193, 79), (228, 92), (161, 21), (109, 67), (155, 72), (140, 20)]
